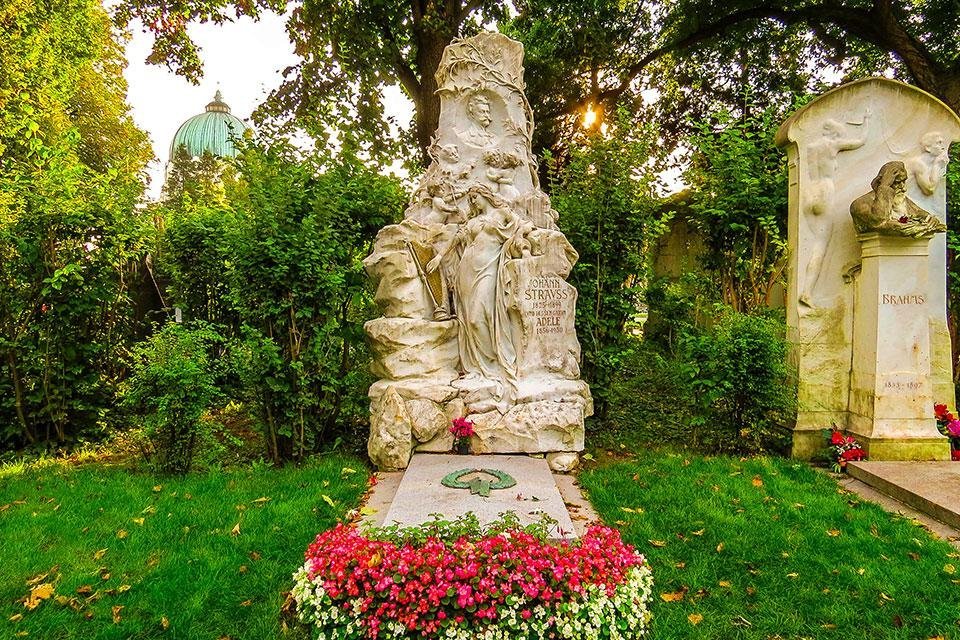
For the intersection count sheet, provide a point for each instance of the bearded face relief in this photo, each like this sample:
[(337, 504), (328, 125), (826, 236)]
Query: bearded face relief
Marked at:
[(887, 209)]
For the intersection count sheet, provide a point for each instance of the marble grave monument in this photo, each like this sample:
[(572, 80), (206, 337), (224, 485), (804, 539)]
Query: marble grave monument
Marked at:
[(866, 299), (477, 315)]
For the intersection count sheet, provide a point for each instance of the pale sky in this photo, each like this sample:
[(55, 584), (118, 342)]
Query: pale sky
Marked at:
[(243, 59)]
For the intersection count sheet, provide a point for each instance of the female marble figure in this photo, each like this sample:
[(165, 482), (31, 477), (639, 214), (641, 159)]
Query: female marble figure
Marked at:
[(492, 235)]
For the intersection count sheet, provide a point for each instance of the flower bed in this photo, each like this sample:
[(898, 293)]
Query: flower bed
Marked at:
[(451, 580)]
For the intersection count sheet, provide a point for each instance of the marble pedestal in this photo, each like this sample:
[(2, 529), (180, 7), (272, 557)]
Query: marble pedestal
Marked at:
[(891, 396)]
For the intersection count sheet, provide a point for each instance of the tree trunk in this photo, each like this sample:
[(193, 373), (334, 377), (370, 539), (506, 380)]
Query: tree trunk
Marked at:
[(429, 54)]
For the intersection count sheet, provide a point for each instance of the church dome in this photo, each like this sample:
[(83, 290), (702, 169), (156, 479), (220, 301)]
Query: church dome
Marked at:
[(210, 131)]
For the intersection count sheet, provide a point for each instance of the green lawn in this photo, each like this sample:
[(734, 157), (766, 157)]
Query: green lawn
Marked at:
[(141, 556), (770, 549)]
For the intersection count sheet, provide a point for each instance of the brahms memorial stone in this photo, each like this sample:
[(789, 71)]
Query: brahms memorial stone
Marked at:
[(866, 301), (478, 318)]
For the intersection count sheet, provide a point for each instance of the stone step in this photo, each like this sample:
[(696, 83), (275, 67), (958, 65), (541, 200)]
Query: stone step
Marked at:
[(928, 487)]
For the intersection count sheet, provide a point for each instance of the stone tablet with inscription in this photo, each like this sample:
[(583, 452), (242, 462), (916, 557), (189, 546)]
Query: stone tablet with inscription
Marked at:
[(478, 316)]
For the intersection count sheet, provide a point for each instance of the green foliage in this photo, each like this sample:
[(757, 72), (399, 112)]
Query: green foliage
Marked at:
[(466, 526), (70, 239), (171, 385), (605, 197), (736, 378), (276, 263), (207, 555), (738, 202), (766, 548)]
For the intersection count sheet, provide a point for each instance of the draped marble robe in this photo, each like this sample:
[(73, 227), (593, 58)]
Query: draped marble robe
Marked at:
[(492, 236)]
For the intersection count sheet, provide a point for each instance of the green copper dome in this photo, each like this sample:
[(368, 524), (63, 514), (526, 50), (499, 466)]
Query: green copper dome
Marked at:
[(210, 131)]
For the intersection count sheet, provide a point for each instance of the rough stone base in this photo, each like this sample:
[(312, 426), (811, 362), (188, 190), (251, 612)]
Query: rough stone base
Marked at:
[(806, 443), (532, 427), (906, 448)]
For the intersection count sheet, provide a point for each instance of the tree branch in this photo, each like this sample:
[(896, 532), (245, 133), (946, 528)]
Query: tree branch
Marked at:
[(408, 79), (877, 25)]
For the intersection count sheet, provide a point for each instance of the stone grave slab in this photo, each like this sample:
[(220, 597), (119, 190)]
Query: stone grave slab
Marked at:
[(421, 493), (929, 487)]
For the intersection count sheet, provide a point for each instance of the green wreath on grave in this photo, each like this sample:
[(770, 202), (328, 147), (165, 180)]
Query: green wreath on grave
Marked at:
[(479, 486)]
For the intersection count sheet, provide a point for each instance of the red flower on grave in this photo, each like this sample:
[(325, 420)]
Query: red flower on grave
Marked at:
[(836, 438)]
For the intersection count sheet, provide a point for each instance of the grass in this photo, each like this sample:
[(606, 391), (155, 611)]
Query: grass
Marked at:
[(141, 556), (770, 549)]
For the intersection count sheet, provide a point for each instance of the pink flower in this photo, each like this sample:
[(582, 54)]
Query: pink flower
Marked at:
[(953, 428), (462, 428)]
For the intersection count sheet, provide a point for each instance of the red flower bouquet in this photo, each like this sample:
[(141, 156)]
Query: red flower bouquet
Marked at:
[(949, 426), (843, 449), (462, 431)]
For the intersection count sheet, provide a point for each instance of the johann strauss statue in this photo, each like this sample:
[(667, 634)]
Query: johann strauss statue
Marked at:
[(478, 319)]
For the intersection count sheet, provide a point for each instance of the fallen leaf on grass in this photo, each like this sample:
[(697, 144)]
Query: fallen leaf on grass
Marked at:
[(347, 471), (242, 569), (833, 533), (699, 532), (724, 583), (949, 568), (261, 500), (246, 603), (37, 595), (236, 530), (37, 579), (793, 575), (657, 543), (99, 554), (720, 547), (17, 617), (675, 596), (105, 575), (164, 623), (84, 590), (121, 534), (695, 618), (158, 488), (757, 481), (116, 613), (330, 501), (123, 588)]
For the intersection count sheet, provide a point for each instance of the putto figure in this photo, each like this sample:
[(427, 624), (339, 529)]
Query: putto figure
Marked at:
[(887, 209)]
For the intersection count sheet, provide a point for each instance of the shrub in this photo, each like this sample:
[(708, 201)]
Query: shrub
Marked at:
[(171, 387), (447, 580), (736, 378), (605, 197)]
